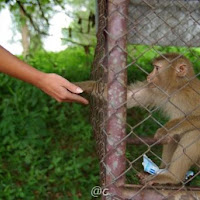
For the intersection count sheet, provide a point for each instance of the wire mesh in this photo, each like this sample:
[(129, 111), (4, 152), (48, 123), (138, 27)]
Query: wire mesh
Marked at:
[(131, 34)]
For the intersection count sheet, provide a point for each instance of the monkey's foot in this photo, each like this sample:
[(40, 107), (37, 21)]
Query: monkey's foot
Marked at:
[(142, 176), (147, 181), (160, 179)]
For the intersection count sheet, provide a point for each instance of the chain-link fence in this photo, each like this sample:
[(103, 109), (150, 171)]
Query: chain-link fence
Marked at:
[(130, 35)]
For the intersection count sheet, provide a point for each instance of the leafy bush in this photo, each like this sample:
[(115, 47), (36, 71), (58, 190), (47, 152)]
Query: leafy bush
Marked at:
[(46, 148)]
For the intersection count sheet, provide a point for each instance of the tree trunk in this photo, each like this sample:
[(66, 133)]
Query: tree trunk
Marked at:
[(25, 34)]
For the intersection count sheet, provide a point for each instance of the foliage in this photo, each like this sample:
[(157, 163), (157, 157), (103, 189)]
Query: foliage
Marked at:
[(82, 30), (34, 17), (46, 148), (32, 20)]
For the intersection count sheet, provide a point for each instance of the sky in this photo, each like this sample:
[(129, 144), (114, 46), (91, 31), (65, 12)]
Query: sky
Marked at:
[(52, 43)]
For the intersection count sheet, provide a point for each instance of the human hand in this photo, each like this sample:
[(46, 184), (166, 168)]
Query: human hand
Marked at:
[(61, 89)]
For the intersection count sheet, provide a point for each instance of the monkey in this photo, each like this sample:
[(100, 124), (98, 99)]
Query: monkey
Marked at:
[(173, 88)]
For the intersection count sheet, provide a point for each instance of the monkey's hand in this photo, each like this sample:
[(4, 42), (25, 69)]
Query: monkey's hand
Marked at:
[(86, 86), (165, 136), (93, 88), (160, 133)]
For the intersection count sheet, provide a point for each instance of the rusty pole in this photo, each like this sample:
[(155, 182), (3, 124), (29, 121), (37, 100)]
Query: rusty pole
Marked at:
[(115, 161)]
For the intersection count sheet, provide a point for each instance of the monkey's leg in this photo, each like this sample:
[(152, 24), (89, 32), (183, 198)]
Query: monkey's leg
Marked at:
[(167, 153), (165, 132), (185, 155), (177, 127)]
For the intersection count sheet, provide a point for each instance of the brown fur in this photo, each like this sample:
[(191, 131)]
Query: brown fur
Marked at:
[(173, 88)]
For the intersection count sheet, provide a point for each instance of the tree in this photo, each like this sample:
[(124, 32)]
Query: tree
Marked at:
[(81, 31), (31, 18)]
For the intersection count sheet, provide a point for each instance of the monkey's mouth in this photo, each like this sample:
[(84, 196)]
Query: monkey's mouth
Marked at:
[(151, 85)]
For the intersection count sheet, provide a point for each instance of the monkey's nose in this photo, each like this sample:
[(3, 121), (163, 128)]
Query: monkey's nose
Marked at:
[(149, 80)]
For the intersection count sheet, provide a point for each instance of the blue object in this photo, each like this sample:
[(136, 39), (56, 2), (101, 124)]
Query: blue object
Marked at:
[(151, 168), (149, 165), (189, 174)]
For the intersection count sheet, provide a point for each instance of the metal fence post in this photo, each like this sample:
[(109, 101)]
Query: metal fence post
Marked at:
[(115, 161)]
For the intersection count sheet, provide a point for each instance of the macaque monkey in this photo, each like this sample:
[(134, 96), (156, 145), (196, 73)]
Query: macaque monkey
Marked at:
[(173, 88)]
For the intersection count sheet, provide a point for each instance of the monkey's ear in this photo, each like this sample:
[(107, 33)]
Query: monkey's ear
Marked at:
[(181, 70)]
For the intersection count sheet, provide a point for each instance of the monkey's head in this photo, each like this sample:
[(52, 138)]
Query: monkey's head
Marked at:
[(171, 70)]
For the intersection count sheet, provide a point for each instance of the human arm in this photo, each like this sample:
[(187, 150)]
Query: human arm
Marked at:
[(54, 85)]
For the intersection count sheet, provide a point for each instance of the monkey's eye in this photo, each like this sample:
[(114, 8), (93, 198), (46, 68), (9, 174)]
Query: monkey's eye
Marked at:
[(156, 67)]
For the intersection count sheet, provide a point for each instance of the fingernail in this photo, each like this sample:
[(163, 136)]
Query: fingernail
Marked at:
[(79, 90)]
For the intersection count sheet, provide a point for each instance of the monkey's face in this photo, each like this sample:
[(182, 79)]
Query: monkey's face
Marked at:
[(161, 76)]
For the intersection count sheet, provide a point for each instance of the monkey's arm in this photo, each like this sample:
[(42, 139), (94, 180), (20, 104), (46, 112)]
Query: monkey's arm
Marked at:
[(179, 127), (139, 94), (93, 88)]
